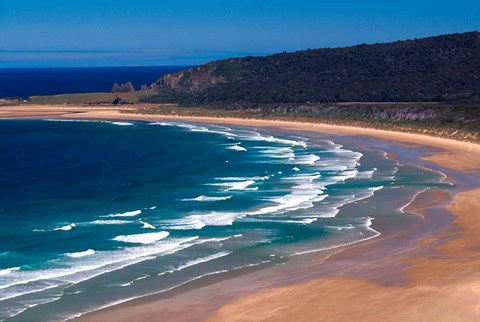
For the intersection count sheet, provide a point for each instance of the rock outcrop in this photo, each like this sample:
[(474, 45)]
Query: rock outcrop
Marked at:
[(123, 88)]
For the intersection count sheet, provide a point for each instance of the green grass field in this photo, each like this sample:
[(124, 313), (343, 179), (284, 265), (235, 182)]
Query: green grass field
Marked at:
[(91, 98)]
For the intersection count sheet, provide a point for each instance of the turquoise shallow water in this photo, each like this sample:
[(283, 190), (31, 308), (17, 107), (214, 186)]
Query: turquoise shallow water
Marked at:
[(95, 213)]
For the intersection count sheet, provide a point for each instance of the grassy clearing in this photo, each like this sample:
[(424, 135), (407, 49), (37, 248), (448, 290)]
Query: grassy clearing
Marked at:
[(91, 98)]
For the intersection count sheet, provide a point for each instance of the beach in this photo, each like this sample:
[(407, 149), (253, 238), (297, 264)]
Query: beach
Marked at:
[(427, 272)]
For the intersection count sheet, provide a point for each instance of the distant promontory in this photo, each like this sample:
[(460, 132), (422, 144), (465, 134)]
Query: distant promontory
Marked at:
[(436, 69)]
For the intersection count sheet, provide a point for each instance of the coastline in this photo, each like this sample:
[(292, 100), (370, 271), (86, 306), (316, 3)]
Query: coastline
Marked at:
[(441, 288), (461, 161), (361, 290)]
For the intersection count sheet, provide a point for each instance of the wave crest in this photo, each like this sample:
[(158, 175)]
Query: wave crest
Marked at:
[(148, 238), (88, 252)]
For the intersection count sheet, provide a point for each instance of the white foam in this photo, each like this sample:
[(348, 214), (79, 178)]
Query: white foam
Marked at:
[(123, 123), (66, 120), (389, 175), (88, 252), (65, 228), (294, 201), (257, 178), (207, 198), (305, 192), (236, 147), (202, 260), (308, 191), (187, 223), (443, 175), (220, 239), (348, 155), (197, 128), (7, 271), (366, 224), (111, 222), (161, 123), (345, 175), (76, 270), (301, 198), (402, 209), (309, 159), (216, 218), (301, 221), (267, 138), (347, 227), (235, 186), (365, 174), (366, 193), (295, 169), (278, 152), (126, 214), (135, 280), (328, 166), (148, 238), (146, 225), (304, 177)]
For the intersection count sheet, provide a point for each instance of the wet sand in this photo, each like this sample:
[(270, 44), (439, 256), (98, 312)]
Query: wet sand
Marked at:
[(443, 286), (425, 273)]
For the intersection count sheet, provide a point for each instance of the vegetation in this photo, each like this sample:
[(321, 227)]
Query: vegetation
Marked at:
[(460, 122), (8, 101), (436, 69), (93, 98)]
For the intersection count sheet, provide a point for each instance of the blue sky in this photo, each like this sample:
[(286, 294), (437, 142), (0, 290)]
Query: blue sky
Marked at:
[(36, 33)]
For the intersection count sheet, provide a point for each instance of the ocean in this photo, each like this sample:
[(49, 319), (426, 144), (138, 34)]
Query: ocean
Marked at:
[(95, 213), (25, 82)]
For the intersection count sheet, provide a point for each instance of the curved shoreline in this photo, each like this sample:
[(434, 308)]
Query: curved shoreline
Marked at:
[(451, 147), (441, 288), (364, 296)]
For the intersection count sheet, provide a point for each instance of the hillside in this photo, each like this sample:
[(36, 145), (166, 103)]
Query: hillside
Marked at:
[(436, 69)]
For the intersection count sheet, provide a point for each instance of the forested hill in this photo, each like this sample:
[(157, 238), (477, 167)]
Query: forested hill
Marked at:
[(437, 69)]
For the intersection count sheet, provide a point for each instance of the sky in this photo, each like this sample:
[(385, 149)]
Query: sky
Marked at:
[(61, 33)]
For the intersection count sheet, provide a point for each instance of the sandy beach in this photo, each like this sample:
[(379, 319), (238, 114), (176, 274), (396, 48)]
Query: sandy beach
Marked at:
[(442, 288), (420, 274)]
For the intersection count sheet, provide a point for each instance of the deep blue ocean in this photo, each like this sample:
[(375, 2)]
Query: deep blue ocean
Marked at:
[(94, 213), (25, 82)]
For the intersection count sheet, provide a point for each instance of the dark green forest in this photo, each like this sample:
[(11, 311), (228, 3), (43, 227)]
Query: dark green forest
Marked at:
[(436, 69)]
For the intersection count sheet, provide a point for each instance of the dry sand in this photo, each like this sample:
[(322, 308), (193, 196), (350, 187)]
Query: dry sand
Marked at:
[(443, 281), (442, 288)]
